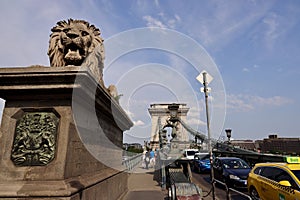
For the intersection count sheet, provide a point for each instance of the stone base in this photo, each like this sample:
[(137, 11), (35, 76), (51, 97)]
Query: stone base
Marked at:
[(105, 185), (84, 166)]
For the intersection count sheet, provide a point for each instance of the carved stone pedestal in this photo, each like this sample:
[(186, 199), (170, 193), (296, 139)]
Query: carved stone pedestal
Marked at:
[(60, 137)]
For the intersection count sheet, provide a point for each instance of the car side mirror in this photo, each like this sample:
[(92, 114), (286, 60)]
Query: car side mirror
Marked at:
[(285, 183)]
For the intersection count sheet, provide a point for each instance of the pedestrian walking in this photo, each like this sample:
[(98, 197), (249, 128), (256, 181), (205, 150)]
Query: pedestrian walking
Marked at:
[(152, 158), (147, 159), (144, 160)]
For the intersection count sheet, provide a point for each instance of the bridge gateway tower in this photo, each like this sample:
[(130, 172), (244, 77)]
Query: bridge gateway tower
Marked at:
[(160, 115)]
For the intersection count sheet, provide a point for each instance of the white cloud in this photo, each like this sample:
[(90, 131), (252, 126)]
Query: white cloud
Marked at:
[(152, 22), (237, 104), (245, 103), (177, 18), (272, 24), (271, 33), (251, 68), (275, 26), (271, 101), (245, 69), (227, 21), (162, 21)]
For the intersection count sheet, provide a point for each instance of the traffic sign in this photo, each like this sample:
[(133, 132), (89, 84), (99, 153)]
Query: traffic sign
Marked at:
[(207, 89), (200, 77)]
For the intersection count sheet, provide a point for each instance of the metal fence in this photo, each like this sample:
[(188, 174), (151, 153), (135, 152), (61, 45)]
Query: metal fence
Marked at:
[(231, 190), (132, 161)]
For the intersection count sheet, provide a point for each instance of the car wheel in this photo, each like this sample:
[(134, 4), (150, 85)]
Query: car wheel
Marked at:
[(254, 194)]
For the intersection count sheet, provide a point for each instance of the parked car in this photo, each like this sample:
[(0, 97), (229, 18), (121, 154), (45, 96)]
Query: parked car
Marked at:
[(190, 153), (201, 163), (232, 171), (275, 180)]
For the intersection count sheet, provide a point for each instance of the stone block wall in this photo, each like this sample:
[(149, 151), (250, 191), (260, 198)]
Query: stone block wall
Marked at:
[(80, 168)]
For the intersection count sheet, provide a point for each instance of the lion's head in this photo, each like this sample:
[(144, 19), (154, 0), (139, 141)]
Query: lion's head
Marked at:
[(72, 41)]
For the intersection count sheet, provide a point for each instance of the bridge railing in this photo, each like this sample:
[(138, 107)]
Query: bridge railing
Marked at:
[(132, 161), (231, 190), (250, 157)]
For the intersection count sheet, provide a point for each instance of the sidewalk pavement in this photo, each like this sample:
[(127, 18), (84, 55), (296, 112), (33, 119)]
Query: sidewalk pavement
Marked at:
[(141, 186)]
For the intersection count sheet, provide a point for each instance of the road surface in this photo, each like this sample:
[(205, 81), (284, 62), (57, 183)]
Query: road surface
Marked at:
[(203, 181)]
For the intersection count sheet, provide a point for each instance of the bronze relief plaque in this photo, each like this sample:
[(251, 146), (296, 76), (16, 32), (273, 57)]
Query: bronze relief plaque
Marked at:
[(35, 139)]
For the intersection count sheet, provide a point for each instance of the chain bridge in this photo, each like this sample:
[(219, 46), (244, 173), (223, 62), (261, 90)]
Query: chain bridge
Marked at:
[(174, 116)]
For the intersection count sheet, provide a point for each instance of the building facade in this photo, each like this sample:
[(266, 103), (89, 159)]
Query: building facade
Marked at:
[(276, 145), (244, 144)]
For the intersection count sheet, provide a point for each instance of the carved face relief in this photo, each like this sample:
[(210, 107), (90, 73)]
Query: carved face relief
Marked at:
[(35, 139)]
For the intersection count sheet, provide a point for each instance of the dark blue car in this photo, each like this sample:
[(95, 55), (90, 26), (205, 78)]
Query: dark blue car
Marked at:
[(201, 163), (231, 171)]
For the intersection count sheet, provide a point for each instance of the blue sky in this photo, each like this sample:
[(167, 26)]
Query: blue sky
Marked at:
[(255, 46)]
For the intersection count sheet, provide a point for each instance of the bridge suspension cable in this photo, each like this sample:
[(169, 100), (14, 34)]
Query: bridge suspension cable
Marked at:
[(195, 133)]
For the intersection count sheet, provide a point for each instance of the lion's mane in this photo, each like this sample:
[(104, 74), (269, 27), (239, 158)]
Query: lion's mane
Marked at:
[(74, 42)]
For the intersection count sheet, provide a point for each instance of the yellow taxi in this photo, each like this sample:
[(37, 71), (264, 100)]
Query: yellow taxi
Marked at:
[(275, 181)]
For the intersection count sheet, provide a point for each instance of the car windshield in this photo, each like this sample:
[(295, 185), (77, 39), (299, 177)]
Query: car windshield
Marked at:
[(297, 173), (191, 153), (202, 156), (205, 157), (235, 164)]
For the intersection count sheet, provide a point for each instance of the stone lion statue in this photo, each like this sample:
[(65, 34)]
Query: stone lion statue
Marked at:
[(77, 43)]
